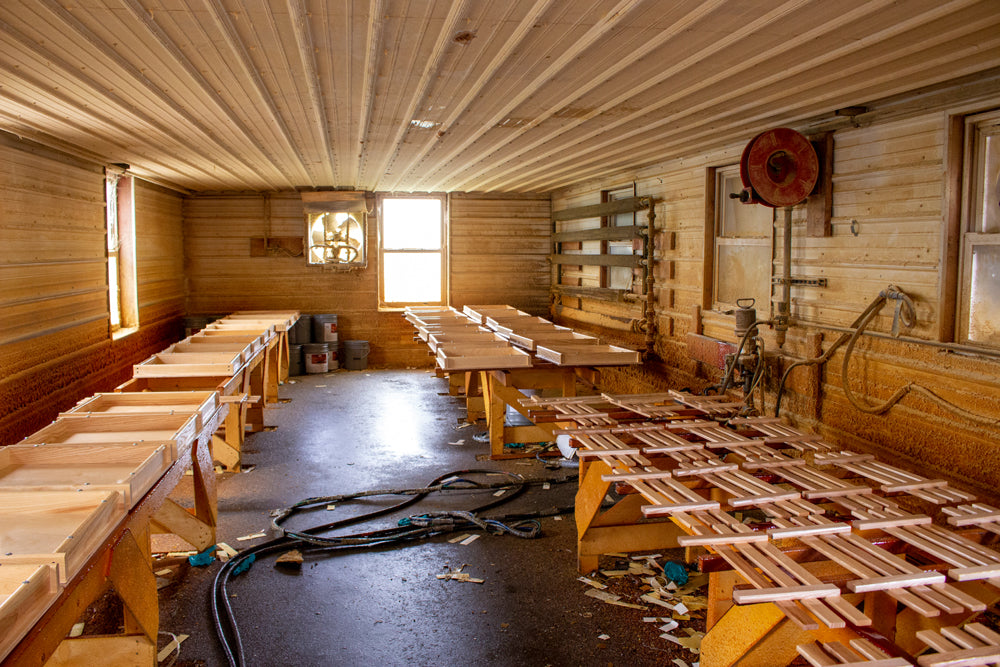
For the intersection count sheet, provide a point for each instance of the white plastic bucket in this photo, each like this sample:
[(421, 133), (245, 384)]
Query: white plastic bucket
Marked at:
[(317, 357)]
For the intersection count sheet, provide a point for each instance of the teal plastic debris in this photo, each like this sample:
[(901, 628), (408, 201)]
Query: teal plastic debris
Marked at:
[(206, 557), (675, 572), (244, 565)]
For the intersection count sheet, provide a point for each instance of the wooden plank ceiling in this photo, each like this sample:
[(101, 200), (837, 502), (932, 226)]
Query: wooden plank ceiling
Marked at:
[(431, 95)]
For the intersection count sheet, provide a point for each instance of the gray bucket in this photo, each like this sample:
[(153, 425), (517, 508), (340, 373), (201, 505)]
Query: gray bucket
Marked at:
[(515, 418), (301, 331), (196, 323), (316, 357), (295, 366), (324, 329), (356, 355)]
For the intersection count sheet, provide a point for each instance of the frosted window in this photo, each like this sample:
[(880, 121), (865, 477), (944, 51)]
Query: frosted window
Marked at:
[(411, 224), (411, 277), (984, 307)]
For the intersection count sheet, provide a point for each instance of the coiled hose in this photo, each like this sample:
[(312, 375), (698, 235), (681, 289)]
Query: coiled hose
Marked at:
[(408, 529)]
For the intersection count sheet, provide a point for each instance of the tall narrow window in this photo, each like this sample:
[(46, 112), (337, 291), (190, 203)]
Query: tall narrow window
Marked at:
[(412, 251), (743, 246), (980, 278), (123, 306)]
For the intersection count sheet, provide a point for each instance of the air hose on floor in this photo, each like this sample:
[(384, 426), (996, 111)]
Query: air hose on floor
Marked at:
[(409, 529)]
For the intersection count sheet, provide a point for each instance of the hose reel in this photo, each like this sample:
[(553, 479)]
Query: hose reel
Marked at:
[(778, 168)]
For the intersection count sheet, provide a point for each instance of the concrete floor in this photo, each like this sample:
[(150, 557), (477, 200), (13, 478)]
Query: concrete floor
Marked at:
[(355, 430)]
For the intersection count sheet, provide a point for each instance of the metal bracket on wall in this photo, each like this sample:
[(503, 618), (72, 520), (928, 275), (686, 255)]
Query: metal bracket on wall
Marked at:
[(811, 282)]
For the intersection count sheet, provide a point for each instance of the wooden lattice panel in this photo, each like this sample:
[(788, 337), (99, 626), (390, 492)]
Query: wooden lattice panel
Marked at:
[(774, 430), (719, 406), (860, 653), (877, 569), (969, 646), (969, 561), (652, 406), (897, 480), (986, 517)]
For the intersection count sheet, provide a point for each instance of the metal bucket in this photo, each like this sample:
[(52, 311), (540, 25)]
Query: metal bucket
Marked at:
[(317, 357), (356, 355)]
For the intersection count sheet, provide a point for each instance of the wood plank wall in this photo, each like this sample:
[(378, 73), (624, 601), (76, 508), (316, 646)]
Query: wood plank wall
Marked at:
[(499, 250), (497, 243), (890, 178), (55, 346)]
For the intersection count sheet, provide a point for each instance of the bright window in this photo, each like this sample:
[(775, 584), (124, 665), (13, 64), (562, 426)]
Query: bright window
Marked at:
[(123, 306), (412, 251), (980, 279), (619, 277), (743, 246)]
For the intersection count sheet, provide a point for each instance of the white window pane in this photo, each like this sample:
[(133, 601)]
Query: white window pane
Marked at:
[(114, 293), (744, 271), (411, 224), (984, 304), (411, 277), (990, 205), (741, 220)]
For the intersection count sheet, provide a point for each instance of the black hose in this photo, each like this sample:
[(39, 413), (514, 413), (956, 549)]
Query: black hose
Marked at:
[(223, 617)]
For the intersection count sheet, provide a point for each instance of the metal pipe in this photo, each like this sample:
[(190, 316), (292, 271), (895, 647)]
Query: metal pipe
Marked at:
[(951, 347), (785, 306), (649, 316)]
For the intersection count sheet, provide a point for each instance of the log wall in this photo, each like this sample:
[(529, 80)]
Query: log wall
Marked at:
[(55, 342), (891, 183)]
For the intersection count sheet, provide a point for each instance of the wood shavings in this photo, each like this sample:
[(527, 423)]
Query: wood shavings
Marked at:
[(252, 536), (460, 538), (603, 637), (614, 573), (469, 540), (590, 582), (460, 576), (77, 630), (174, 645), (652, 599), (611, 598)]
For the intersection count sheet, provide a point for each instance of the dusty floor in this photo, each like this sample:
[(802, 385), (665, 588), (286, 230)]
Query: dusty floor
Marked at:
[(351, 431)]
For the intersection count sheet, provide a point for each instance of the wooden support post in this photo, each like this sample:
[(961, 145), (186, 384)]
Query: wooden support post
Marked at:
[(172, 518), (205, 495), (272, 372)]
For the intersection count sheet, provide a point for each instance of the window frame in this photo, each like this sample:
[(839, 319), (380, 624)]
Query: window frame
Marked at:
[(716, 200), (120, 214), (443, 251), (970, 234)]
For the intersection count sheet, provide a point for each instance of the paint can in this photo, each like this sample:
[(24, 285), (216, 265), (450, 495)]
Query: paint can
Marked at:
[(317, 357), (356, 355), (301, 331), (514, 418), (324, 329), (295, 360)]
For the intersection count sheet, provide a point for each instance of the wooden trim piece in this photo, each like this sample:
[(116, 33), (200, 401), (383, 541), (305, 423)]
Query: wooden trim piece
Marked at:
[(614, 207), (629, 261), (601, 234)]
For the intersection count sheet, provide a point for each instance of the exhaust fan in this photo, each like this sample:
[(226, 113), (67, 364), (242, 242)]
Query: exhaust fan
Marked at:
[(336, 228)]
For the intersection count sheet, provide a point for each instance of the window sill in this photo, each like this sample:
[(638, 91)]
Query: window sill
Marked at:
[(118, 334)]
